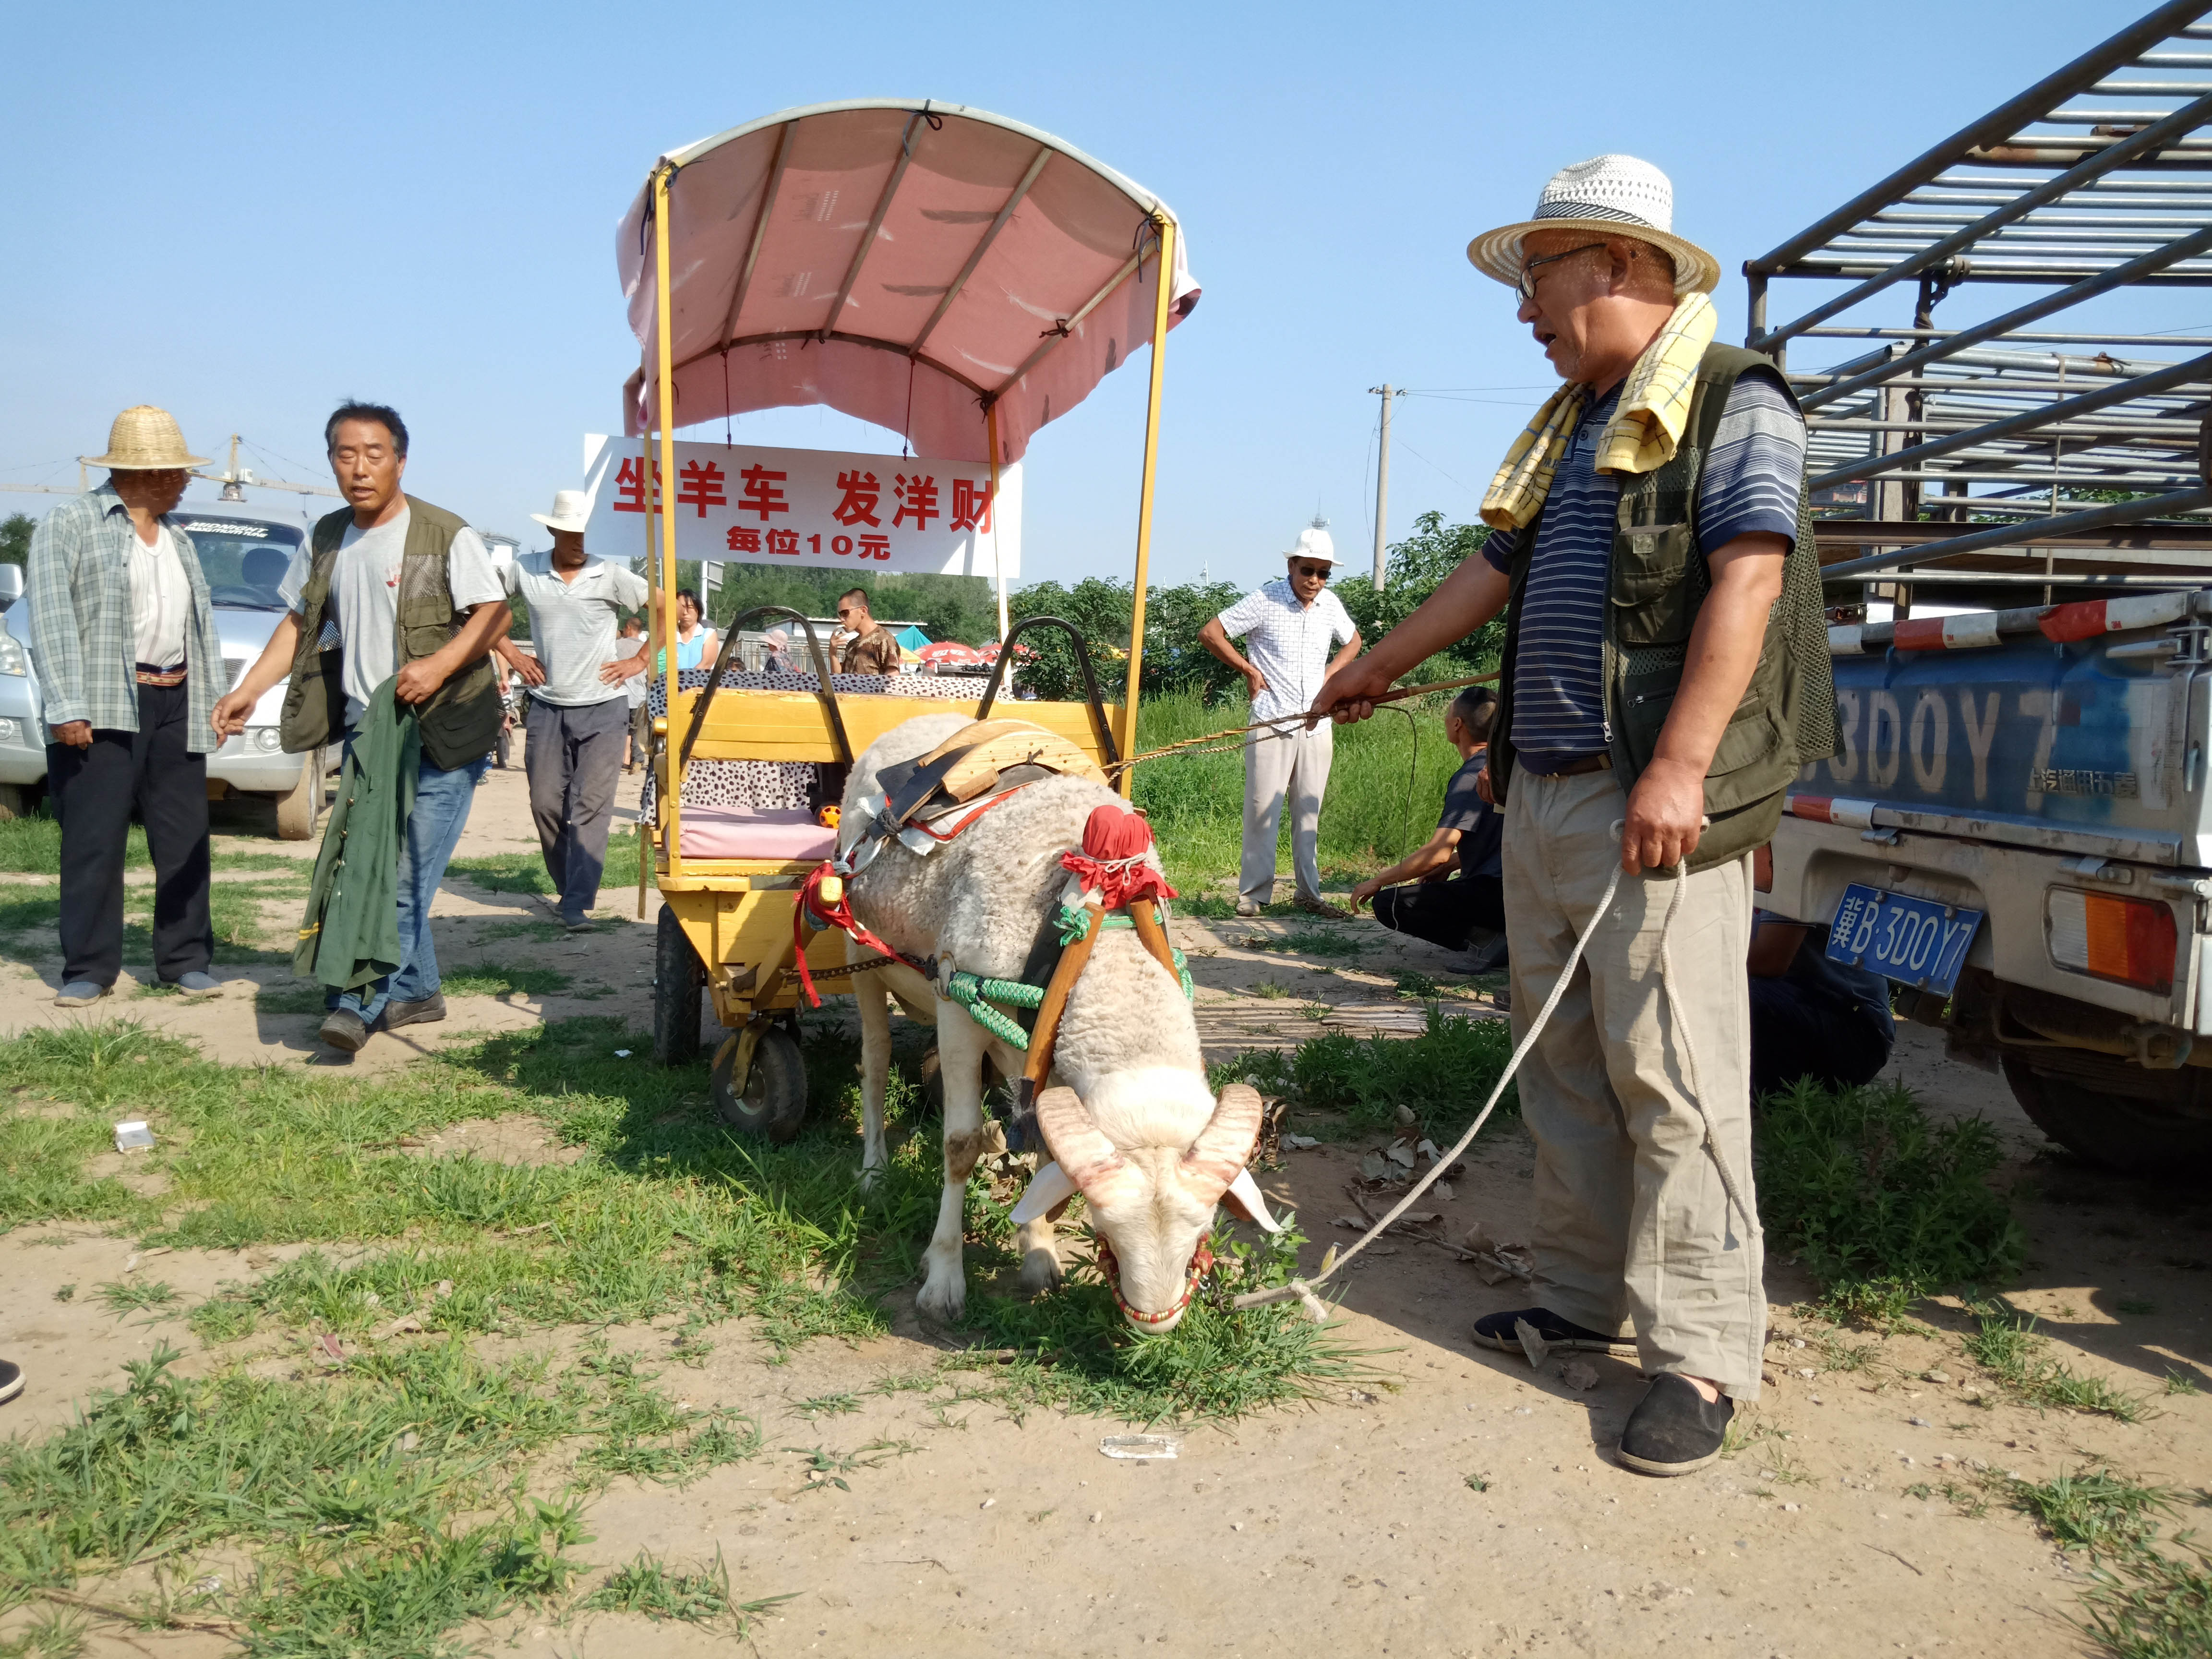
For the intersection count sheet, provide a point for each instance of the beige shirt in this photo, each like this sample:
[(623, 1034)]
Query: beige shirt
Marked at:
[(160, 599)]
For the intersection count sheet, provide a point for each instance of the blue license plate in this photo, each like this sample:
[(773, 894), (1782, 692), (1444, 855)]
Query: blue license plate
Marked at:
[(1914, 941)]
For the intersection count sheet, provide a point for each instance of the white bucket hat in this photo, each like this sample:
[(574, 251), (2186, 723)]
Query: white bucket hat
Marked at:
[(572, 510), (1314, 542), (1607, 195)]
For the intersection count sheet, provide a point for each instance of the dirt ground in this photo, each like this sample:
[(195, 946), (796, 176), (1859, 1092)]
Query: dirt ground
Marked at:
[(1463, 1504)]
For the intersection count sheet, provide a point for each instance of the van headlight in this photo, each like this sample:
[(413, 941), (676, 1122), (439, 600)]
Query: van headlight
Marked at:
[(11, 731), (265, 739), (12, 660)]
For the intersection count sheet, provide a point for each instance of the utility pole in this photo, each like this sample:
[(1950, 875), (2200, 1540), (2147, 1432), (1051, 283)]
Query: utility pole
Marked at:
[(1383, 479)]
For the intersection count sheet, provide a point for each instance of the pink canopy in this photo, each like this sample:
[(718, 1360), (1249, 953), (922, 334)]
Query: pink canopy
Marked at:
[(910, 263)]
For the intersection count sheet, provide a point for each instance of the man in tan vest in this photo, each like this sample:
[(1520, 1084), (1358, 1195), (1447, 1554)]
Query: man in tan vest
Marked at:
[(1665, 674), (390, 588)]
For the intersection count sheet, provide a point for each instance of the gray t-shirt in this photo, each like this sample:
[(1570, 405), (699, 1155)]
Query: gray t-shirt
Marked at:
[(364, 603), (572, 623)]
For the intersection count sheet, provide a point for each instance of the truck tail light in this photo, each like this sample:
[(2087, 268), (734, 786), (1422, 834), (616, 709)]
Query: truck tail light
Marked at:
[(2129, 941)]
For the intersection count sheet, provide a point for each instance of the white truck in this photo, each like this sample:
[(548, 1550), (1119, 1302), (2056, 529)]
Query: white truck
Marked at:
[(2017, 829)]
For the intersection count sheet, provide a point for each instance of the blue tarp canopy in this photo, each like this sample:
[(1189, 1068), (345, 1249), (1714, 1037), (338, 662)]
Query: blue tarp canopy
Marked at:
[(911, 638)]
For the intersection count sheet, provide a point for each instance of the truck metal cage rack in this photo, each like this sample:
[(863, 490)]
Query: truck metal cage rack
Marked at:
[(2076, 454)]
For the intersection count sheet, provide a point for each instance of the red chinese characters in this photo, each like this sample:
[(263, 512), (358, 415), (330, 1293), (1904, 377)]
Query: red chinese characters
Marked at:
[(743, 539), (629, 485), (858, 505), (971, 505), (783, 541), (699, 485), (875, 547), (917, 500), (761, 492)]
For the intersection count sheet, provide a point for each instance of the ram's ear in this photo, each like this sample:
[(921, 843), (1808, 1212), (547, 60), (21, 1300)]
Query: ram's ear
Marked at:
[(1245, 1198), (1081, 1149), (1224, 1144), (1049, 1187)]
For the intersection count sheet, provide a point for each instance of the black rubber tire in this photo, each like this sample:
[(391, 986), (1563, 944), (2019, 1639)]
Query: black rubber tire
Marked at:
[(679, 977), (773, 1103), (2116, 1115)]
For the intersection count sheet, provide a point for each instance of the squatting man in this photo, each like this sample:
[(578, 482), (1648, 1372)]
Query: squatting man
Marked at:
[(1665, 670)]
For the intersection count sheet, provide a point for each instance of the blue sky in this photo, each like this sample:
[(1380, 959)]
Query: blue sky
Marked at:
[(249, 215)]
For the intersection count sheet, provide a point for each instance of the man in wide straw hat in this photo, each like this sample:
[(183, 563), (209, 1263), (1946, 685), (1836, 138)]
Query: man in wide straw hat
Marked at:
[(1665, 674), (129, 667)]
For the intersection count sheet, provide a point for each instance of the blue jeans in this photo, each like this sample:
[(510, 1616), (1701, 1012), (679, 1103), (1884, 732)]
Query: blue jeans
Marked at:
[(434, 830)]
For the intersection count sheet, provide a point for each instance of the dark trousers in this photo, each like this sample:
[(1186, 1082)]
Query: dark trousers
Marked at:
[(1795, 1032), (94, 791), (1443, 912), (574, 757), (640, 735)]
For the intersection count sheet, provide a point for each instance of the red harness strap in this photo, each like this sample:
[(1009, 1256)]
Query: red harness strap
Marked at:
[(839, 914)]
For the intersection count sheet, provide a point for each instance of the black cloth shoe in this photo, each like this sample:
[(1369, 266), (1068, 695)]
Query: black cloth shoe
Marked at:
[(11, 1380), (342, 1028), (1496, 1330), (1674, 1428), (425, 1011)]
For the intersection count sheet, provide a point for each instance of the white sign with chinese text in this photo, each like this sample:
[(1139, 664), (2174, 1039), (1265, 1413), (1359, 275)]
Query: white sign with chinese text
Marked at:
[(817, 507)]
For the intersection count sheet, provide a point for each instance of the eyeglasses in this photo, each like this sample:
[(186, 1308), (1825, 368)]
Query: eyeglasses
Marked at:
[(1320, 570), (1526, 286)]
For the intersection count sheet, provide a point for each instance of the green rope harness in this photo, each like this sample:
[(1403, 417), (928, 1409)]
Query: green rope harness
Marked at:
[(976, 993)]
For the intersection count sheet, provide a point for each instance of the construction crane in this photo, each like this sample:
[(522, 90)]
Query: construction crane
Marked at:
[(232, 479)]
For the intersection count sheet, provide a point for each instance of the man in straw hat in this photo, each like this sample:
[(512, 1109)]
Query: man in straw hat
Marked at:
[(579, 700), (1665, 670), (387, 589), (129, 667), (1288, 626)]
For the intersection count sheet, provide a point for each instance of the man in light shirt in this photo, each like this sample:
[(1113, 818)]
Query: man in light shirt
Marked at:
[(389, 587), (130, 665), (579, 698), (1288, 627)]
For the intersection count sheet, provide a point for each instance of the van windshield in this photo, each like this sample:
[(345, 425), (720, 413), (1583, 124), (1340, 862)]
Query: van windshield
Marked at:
[(244, 559)]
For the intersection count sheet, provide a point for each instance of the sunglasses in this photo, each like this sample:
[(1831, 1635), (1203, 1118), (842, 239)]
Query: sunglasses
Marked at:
[(1322, 571), (1526, 287)]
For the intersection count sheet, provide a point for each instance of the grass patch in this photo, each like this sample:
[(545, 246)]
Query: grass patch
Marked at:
[(1443, 1075), (1318, 942), (525, 873), (385, 1505), (647, 1586), (1881, 1204), (487, 979), (1417, 987), (2004, 1343), (1074, 1350), (2144, 1603)]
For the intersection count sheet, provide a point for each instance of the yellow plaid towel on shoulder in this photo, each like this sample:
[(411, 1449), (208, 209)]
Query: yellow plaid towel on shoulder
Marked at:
[(1654, 407)]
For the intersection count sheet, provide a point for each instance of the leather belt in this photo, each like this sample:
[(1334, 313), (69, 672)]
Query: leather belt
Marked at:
[(1601, 762), (161, 676)]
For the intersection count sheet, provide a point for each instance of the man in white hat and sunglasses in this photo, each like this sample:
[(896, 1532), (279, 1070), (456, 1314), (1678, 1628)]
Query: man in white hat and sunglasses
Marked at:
[(129, 667), (1665, 676), (580, 705), (1289, 627)]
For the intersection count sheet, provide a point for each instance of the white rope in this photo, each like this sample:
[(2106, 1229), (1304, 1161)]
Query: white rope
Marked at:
[(1302, 1288)]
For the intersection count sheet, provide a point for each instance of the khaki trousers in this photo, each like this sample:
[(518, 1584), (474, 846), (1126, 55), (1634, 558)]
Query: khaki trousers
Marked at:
[(1278, 763), (1634, 1232)]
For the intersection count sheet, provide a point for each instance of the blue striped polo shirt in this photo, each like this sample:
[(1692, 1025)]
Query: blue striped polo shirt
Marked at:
[(1749, 485)]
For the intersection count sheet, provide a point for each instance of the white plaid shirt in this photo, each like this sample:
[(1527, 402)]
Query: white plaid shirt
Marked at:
[(1288, 642), (82, 640)]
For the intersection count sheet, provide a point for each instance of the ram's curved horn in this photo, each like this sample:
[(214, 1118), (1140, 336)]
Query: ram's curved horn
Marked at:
[(1224, 1144), (1079, 1146), (1049, 1186), (1244, 1197)]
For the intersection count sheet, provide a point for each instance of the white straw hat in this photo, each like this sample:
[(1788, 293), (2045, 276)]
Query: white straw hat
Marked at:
[(1607, 195), (144, 438), (572, 510), (1314, 542)]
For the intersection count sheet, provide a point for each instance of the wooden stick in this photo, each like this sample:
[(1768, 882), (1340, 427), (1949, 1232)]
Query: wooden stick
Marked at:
[(1145, 914), (1046, 1030)]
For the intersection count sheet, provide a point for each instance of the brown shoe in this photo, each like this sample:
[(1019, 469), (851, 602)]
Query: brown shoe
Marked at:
[(1315, 907)]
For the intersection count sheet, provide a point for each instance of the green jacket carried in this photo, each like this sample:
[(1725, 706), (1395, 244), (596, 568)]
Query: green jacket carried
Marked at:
[(350, 937)]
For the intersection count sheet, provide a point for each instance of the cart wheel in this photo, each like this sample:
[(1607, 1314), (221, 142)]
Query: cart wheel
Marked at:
[(773, 1103), (679, 977)]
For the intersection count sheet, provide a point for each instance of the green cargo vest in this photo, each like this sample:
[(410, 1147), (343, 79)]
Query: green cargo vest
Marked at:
[(460, 721), (1656, 580)]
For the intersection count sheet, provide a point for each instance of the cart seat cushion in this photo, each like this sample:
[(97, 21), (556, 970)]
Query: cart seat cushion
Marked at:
[(755, 832)]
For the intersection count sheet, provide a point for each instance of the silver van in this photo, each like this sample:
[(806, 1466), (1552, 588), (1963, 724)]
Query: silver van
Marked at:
[(244, 551)]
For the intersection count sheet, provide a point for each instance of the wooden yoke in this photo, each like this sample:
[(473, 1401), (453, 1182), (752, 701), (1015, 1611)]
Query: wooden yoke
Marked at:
[(1046, 1031), (1145, 913)]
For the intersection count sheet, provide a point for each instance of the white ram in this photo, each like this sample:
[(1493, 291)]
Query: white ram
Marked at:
[(1131, 1123)]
